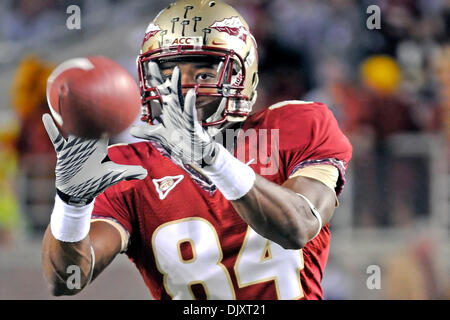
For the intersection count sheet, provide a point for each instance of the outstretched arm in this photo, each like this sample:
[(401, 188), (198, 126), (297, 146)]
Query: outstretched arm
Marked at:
[(83, 171), (291, 214), (58, 256)]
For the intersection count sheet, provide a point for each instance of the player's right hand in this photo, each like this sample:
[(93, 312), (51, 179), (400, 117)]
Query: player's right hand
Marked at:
[(83, 169)]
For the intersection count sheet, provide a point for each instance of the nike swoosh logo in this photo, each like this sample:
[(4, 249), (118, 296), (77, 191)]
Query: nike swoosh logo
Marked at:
[(214, 42)]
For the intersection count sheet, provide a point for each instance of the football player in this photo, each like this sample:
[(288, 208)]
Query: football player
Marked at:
[(218, 202)]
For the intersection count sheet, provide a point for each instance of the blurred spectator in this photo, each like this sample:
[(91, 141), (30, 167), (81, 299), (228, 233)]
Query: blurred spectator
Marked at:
[(337, 282), (338, 90), (282, 68), (280, 80), (9, 208), (404, 278), (34, 149), (394, 186), (31, 22), (318, 29), (412, 272), (388, 111), (30, 103), (441, 78)]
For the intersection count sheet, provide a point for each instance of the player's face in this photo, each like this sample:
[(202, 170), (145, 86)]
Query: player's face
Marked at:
[(198, 72)]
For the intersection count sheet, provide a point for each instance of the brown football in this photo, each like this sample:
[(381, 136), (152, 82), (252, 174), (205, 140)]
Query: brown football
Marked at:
[(92, 96)]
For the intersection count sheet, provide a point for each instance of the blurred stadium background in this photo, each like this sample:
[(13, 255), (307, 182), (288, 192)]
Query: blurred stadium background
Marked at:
[(389, 88)]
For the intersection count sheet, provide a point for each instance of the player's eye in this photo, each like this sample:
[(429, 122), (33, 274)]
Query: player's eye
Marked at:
[(205, 77)]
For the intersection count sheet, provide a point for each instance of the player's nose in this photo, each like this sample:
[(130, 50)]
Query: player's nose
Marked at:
[(186, 78)]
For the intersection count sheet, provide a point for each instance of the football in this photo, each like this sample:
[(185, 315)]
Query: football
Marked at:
[(92, 96)]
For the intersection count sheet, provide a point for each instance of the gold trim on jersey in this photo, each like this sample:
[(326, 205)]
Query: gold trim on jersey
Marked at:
[(325, 173), (203, 284), (267, 253)]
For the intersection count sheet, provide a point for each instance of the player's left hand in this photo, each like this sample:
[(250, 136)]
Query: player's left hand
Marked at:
[(181, 132)]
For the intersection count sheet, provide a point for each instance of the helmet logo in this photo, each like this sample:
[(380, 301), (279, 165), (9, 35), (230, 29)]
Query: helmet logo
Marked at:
[(151, 31), (196, 19), (233, 26), (184, 23), (176, 19), (187, 8)]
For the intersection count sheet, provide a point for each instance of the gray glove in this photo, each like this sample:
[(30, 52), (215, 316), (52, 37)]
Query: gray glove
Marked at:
[(83, 170), (181, 133)]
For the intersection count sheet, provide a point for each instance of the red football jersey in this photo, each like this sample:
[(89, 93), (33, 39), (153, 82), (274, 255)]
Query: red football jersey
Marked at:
[(187, 240)]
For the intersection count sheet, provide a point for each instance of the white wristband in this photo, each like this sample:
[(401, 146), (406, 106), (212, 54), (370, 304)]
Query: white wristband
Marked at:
[(315, 212), (69, 223), (232, 177)]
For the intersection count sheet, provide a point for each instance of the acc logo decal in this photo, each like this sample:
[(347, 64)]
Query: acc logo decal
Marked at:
[(190, 41), (233, 26), (151, 31), (164, 185)]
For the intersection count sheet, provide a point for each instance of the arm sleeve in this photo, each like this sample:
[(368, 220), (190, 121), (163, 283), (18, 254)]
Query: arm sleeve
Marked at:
[(325, 173), (314, 138)]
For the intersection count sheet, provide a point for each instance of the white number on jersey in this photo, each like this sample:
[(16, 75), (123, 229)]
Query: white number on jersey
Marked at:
[(259, 260)]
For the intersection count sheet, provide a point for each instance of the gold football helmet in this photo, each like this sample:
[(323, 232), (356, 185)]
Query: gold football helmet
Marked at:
[(209, 29)]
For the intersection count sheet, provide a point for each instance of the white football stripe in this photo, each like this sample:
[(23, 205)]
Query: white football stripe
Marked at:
[(79, 63)]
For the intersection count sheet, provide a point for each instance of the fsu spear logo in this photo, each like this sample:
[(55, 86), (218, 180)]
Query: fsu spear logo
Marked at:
[(233, 26)]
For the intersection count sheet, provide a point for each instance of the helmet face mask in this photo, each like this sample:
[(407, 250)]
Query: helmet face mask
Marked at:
[(219, 36), (228, 82)]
